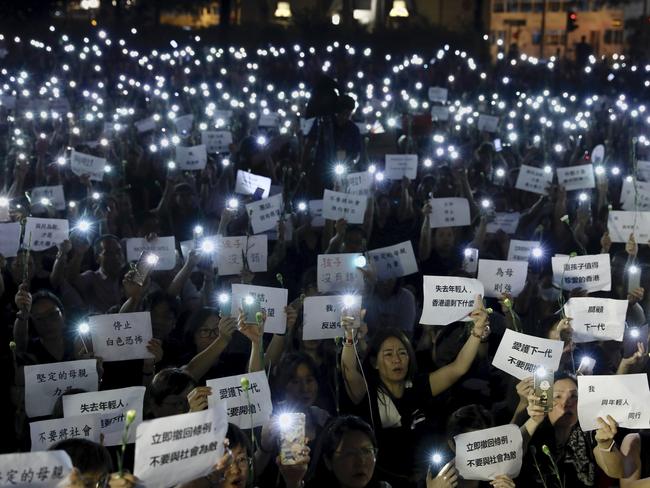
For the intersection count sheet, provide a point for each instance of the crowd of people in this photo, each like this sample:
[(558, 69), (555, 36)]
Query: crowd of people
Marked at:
[(385, 400)]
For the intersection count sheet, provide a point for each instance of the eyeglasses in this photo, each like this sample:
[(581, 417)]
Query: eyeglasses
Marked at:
[(242, 462), (207, 333), (363, 452)]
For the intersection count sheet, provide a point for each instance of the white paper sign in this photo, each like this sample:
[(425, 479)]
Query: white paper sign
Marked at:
[(621, 224), (358, 183), (232, 250), (316, 213), (192, 158), (173, 450), (520, 354), (635, 197), (322, 316), (222, 117), (596, 319), (240, 406), (163, 247), (47, 469), (488, 123), (449, 212), (53, 193), (485, 454), (306, 125), (499, 277), (7, 101), (216, 141), (45, 383), (643, 170), (577, 177), (121, 336), (400, 165), (505, 221), (248, 183), (145, 125), (520, 250), (598, 154), (272, 301), (45, 233), (437, 94), (591, 272), (394, 261), (269, 120), (625, 397), (533, 179), (184, 123), (111, 405), (10, 239), (339, 272), (439, 113), (48, 432), (86, 164), (264, 214), (338, 205), (448, 299)]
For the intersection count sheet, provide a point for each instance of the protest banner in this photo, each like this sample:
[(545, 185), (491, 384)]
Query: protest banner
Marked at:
[(340, 272), (576, 177), (499, 277), (121, 336), (111, 406), (53, 194), (397, 166), (43, 469), (590, 272), (216, 141), (265, 214), (625, 397), (193, 158), (10, 239), (439, 113), (620, 224), (449, 212), (394, 261), (87, 164), (184, 123), (243, 407), (232, 251), (322, 315), (520, 354), (359, 184), (48, 432), (596, 319), (487, 453), (437, 94), (533, 179), (338, 205), (488, 123), (505, 221), (248, 183), (520, 250), (272, 302), (163, 247), (179, 448), (43, 234), (45, 383), (316, 213), (448, 299)]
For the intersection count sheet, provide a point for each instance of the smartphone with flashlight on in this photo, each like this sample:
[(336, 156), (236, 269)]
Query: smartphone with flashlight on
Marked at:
[(633, 335), (543, 388), (633, 277), (470, 260), (145, 264), (250, 305), (497, 145), (225, 304), (292, 437)]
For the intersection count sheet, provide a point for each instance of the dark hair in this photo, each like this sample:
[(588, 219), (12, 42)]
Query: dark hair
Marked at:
[(468, 419), (194, 323), (373, 351), (47, 295), (345, 102), (86, 456), (236, 437), (286, 369), (309, 278), (547, 323), (159, 296), (102, 238), (169, 381), (564, 375)]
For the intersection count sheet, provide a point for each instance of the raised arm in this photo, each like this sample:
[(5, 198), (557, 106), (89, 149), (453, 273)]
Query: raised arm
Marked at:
[(355, 384), (203, 361), (424, 251), (606, 453)]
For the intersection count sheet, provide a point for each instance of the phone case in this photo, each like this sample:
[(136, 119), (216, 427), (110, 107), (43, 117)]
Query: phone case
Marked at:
[(470, 263), (543, 384), (142, 269), (292, 439), (251, 311)]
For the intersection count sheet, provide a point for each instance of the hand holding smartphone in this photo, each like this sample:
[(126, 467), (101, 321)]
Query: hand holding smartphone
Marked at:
[(543, 388)]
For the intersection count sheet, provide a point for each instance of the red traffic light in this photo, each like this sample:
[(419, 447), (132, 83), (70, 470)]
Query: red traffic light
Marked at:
[(573, 16)]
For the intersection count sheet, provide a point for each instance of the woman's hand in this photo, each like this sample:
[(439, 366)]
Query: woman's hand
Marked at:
[(535, 410), (524, 389), (292, 317), (23, 299), (446, 478), (155, 347), (479, 316), (502, 481), (631, 247), (635, 360), (251, 330), (635, 296), (219, 470), (198, 398), (227, 327), (126, 480), (606, 432), (293, 474)]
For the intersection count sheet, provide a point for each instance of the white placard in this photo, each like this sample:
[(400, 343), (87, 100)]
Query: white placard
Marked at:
[(339, 272), (272, 301), (338, 205), (45, 233), (10, 239), (111, 405), (322, 316), (358, 184), (643, 170), (621, 224), (635, 197), (231, 252), (394, 261), (242, 408), (269, 120), (505, 221), (86, 164), (7, 101), (449, 212), (121, 336), (46, 469), (499, 277), (316, 213), (488, 123), (485, 454), (145, 125), (45, 383), (180, 448), (248, 183), (48, 432), (193, 158), (448, 299), (625, 397), (400, 165), (163, 247), (520, 354), (533, 179), (222, 117), (53, 193), (184, 123), (591, 272), (596, 319), (216, 141), (264, 214), (439, 113), (520, 250), (577, 177), (438, 94), (598, 154), (306, 125)]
